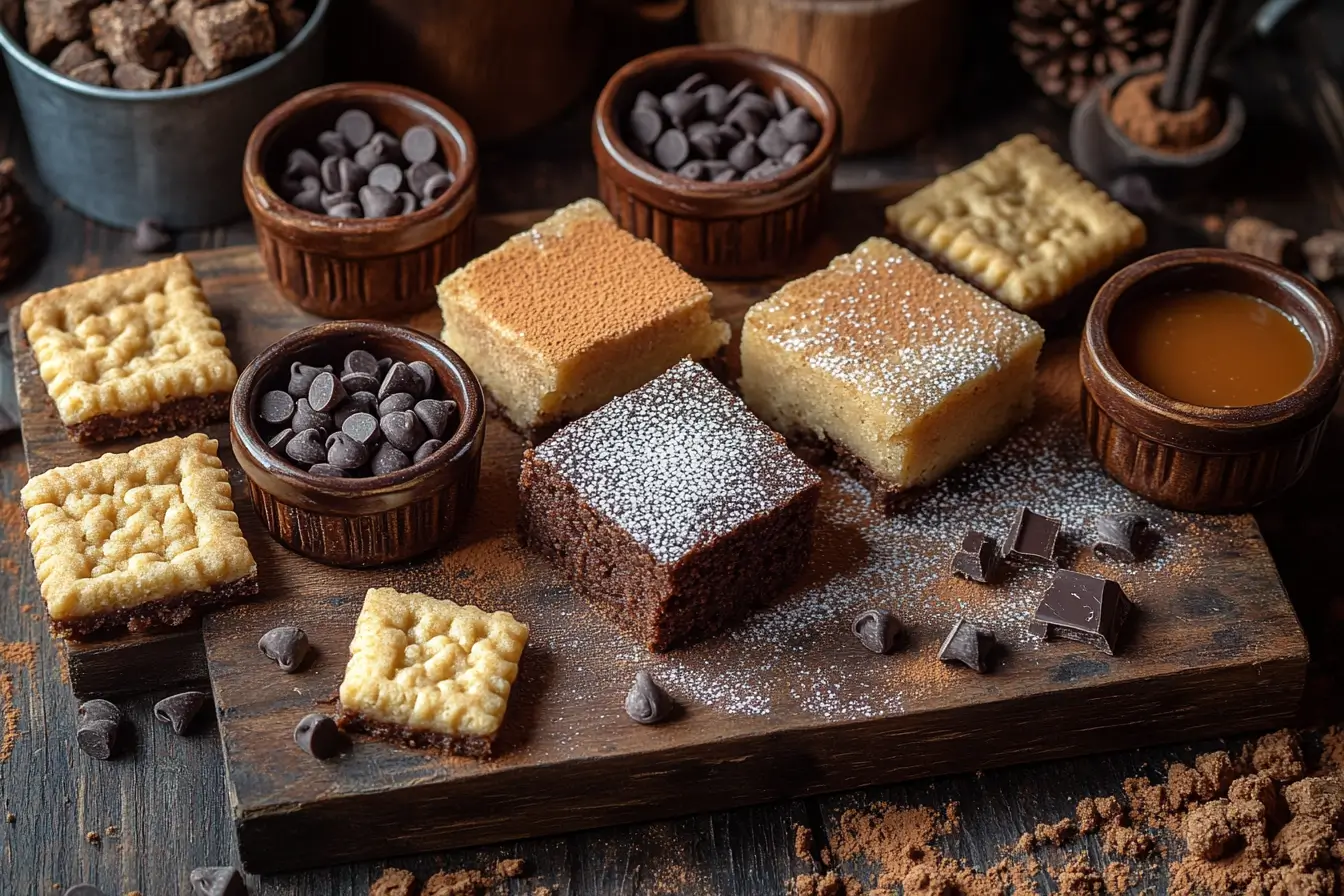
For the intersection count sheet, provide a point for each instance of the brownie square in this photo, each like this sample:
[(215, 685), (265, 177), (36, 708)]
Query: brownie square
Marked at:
[(672, 509)]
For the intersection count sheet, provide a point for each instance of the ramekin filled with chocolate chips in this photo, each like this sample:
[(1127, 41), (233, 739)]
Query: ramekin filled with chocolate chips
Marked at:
[(363, 196), (360, 441), (721, 155)]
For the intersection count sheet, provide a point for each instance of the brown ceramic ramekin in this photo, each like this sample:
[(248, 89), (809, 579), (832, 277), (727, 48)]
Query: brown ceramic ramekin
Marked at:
[(737, 229), (378, 519), (350, 268), (1207, 459)]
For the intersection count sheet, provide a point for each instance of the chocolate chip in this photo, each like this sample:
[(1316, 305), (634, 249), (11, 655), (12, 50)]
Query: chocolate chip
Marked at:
[(420, 173), (344, 453), (436, 186), (746, 121), (796, 153), (408, 203), (362, 428), (646, 100), (692, 170), (428, 378), (378, 202), (646, 125), (781, 101), (356, 126), (403, 430), (738, 90), (318, 736), (301, 163), (333, 144), (306, 447), (647, 703), (978, 558), (287, 645), (217, 881), (98, 738), (84, 890), (764, 171), (426, 450), (758, 105), (388, 176), (179, 709), (359, 382), (399, 378), (389, 460), (745, 156), (799, 126), (326, 393), (278, 441), (346, 210), (351, 175), (693, 83), (327, 470), (310, 201), (331, 173), (358, 403), (683, 108), (276, 406), (99, 711), (772, 141), (301, 378), (331, 200), (397, 401), (305, 417), (1120, 536), (877, 630), (725, 175), (150, 236), (435, 415), (716, 99), (419, 144)]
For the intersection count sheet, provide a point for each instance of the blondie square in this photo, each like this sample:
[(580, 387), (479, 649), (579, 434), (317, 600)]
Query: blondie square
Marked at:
[(1020, 223), (137, 541), (672, 509), (136, 351), (430, 673), (564, 317), (887, 368)]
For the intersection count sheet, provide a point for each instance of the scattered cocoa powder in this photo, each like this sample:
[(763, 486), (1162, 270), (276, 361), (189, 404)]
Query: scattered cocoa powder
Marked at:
[(1056, 834), (94, 837), (9, 712), (510, 868), (803, 842), (395, 882), (542, 891), (1118, 878), (469, 882), (1078, 878), (827, 884), (1279, 755)]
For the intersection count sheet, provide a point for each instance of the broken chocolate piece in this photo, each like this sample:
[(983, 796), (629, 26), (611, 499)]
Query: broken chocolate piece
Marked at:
[(98, 73), (1325, 255), (1079, 607), (969, 645), (129, 31), (221, 32), (1032, 537), (1120, 536), (877, 630), (74, 55), (1263, 239), (978, 558)]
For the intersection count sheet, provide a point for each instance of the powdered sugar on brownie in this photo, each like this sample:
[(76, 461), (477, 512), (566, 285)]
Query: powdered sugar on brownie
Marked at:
[(677, 463)]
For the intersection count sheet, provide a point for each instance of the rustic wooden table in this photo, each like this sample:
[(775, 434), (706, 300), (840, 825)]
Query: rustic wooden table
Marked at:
[(162, 808)]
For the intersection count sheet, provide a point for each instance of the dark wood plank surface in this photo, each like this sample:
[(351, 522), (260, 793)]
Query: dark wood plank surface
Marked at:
[(167, 796)]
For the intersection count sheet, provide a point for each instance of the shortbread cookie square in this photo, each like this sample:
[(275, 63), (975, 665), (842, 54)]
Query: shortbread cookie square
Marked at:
[(430, 673), (1020, 223), (137, 541), (887, 368), (564, 317), (136, 351)]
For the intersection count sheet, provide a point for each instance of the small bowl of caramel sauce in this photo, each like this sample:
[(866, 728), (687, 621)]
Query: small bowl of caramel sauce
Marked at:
[(1208, 378)]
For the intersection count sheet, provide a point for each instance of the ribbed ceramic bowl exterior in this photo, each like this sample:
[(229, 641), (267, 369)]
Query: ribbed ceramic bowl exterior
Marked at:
[(738, 229), (342, 268), (1207, 460), (360, 522)]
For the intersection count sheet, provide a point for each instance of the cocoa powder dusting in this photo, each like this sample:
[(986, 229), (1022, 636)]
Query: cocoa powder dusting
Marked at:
[(803, 842), (827, 884), (395, 882)]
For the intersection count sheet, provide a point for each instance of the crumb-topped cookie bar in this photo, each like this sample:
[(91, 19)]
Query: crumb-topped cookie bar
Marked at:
[(136, 351), (430, 673), (1020, 223), (137, 541), (888, 368), (565, 316)]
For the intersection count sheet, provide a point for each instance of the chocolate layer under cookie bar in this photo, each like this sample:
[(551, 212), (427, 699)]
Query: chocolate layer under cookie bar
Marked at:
[(172, 612), (184, 413), (454, 745)]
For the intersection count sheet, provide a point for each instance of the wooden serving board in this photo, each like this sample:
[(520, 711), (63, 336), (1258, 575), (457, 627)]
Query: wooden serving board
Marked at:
[(785, 704)]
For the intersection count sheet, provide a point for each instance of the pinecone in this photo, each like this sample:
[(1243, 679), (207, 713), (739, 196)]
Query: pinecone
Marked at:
[(1070, 45), (16, 222)]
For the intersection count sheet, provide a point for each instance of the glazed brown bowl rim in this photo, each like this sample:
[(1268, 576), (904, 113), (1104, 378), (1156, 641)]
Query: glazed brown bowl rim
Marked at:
[(1228, 136), (272, 126), (607, 130), (247, 440), (1319, 386)]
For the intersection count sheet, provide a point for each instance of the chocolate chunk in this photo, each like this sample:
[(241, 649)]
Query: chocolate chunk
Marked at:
[(345, 453), (287, 645), (1079, 607), (966, 644), (301, 378), (426, 450), (180, 709), (418, 144), (398, 401), (306, 447), (356, 126), (400, 378), (99, 711), (403, 430), (150, 236), (378, 202), (84, 890), (420, 174), (318, 736), (278, 441), (128, 30), (325, 469), (354, 383), (276, 406), (217, 881), (977, 559), (1120, 536), (772, 141), (877, 630), (725, 175), (81, 52), (387, 176), (333, 144), (362, 427), (389, 460), (326, 393), (435, 415), (1032, 537), (647, 703), (309, 201), (305, 417), (646, 125), (98, 738), (800, 127)]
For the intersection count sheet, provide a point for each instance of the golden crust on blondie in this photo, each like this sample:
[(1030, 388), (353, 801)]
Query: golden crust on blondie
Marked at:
[(113, 536), (1020, 222), (419, 665), (128, 343)]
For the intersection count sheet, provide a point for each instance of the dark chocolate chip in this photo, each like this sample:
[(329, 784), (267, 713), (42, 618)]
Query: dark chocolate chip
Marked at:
[(646, 125), (647, 703), (331, 200), (99, 711), (428, 378), (371, 155), (420, 173), (217, 881), (318, 736), (708, 145), (306, 447), (799, 126), (389, 460), (378, 202), (1120, 536), (745, 155), (310, 201), (301, 163), (179, 709), (301, 378), (692, 170), (356, 126), (403, 430), (333, 144), (683, 108), (693, 83), (646, 100), (307, 418), (84, 890), (98, 738), (327, 470), (716, 100), (331, 174), (764, 171), (408, 203), (358, 403), (745, 120), (351, 175), (287, 645), (150, 236), (356, 382), (796, 153), (388, 176), (966, 644), (384, 365), (344, 453), (746, 85), (276, 406), (781, 101), (346, 210), (426, 450), (362, 427), (326, 393), (278, 441), (436, 186), (977, 559), (435, 415), (399, 378), (397, 401), (758, 105), (772, 141), (877, 630), (419, 144)]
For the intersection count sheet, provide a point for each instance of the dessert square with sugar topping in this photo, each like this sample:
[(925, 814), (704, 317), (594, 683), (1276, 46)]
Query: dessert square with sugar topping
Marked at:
[(563, 317), (1020, 222), (133, 351), (137, 540), (887, 367), (429, 672)]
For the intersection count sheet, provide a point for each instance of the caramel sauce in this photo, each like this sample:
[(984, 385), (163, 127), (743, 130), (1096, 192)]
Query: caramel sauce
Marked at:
[(1213, 348)]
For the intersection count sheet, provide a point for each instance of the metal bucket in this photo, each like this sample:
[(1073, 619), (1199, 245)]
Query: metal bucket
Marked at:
[(175, 155)]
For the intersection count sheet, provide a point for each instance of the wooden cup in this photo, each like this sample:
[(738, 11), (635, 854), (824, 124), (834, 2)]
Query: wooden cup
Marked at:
[(1185, 456)]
